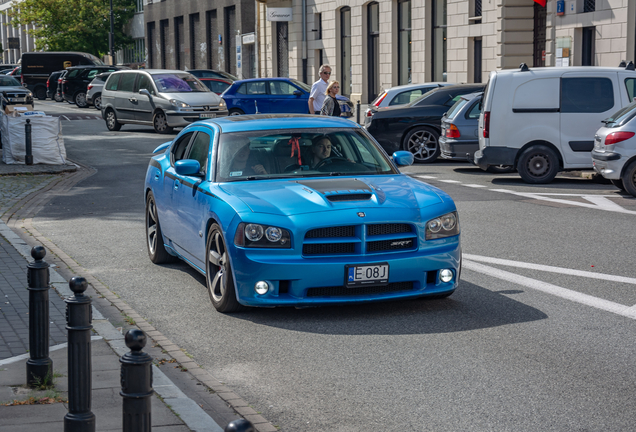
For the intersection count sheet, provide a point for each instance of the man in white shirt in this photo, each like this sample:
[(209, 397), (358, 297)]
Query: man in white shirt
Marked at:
[(319, 90)]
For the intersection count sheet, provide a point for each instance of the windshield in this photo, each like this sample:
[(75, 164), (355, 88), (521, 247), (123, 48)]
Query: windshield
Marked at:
[(621, 116), (302, 85), (178, 83), (7, 81), (298, 153)]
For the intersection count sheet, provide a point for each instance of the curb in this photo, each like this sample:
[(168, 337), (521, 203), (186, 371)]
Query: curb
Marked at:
[(191, 413)]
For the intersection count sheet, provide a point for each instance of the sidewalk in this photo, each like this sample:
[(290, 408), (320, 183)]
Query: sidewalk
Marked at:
[(188, 405)]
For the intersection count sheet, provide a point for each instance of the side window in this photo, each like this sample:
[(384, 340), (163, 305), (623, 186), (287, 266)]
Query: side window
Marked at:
[(281, 88), (112, 83), (407, 96), (586, 95), (126, 82), (474, 111), (144, 83), (630, 84), (255, 88), (242, 89), (179, 148), (199, 150), (92, 73)]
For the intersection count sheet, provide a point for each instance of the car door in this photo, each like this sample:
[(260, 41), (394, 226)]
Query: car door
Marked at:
[(284, 97), (167, 201), (125, 100), (586, 99), (144, 105), (192, 202), (250, 95)]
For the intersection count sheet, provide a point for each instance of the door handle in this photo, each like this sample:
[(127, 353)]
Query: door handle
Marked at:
[(133, 100), (176, 184)]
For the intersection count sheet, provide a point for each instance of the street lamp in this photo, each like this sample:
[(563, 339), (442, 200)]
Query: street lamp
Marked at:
[(111, 35)]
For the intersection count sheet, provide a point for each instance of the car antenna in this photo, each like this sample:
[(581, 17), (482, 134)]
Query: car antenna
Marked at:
[(256, 106)]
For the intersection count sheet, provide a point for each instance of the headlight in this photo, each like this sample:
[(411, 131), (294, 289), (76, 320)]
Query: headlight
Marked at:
[(261, 236), (179, 104), (222, 105), (443, 226)]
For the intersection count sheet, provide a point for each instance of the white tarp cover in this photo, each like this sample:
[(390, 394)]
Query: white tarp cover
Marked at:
[(47, 144)]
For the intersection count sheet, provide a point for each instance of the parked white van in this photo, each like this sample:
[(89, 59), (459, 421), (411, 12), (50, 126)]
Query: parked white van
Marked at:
[(543, 120)]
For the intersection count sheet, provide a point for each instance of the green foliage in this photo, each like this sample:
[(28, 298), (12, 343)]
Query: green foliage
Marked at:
[(74, 25)]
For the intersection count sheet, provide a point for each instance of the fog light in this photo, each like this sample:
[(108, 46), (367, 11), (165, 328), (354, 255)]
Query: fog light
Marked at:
[(445, 275), (261, 287)]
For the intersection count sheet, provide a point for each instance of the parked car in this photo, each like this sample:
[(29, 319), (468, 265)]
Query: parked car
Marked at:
[(543, 120), (614, 153), (75, 83), (16, 73), (94, 90), (209, 73), (401, 95), (12, 92), (274, 96), (52, 84), (416, 126), (59, 97), (160, 98), (348, 228), (217, 85), (38, 65)]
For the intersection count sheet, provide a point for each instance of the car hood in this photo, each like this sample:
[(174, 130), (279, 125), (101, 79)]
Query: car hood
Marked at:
[(14, 89), (194, 98), (309, 195)]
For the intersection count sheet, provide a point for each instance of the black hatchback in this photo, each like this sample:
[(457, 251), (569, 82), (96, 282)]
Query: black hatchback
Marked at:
[(415, 127), (75, 83)]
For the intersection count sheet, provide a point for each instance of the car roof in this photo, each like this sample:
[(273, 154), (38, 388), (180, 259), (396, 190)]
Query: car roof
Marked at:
[(556, 71), (244, 123), (416, 86), (264, 79)]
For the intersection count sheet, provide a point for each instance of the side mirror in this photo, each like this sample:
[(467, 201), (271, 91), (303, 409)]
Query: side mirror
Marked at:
[(145, 92), (188, 167), (403, 158), (297, 93)]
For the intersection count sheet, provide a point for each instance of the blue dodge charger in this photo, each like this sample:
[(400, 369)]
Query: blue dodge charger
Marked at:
[(298, 210)]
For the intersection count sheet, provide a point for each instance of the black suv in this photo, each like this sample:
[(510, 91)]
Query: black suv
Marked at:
[(75, 83), (51, 86)]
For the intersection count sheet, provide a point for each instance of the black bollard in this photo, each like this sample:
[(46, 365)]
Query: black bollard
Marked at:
[(241, 425), (136, 383), (358, 112), (28, 159), (39, 366), (79, 315)]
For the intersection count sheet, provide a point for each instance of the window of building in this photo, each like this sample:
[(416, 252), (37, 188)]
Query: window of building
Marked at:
[(589, 6), (318, 26), (587, 47), (373, 51), (139, 5), (477, 53), (586, 95), (211, 39), (474, 11), (151, 43), (178, 42), (194, 30), (230, 40), (135, 52), (282, 66), (345, 51), (439, 40), (404, 42), (163, 38)]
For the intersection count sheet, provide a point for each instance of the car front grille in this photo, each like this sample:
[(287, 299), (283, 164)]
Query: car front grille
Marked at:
[(360, 239), (342, 291)]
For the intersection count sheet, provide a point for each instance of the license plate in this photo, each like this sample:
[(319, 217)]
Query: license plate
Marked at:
[(207, 116), (367, 274)]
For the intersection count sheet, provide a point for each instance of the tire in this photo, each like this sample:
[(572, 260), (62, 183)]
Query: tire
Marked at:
[(160, 123), (40, 93), (97, 101), (629, 178), (538, 164), (236, 111), (618, 183), (423, 143), (80, 99), (500, 169), (111, 121), (58, 97), (154, 239), (218, 273)]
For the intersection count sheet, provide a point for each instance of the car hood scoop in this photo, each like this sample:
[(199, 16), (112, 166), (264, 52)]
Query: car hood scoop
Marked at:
[(293, 197)]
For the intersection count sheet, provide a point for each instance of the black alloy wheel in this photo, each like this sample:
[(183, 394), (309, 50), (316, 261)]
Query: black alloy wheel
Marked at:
[(538, 164), (154, 239), (423, 143), (111, 121), (58, 97), (40, 93), (80, 99), (218, 273)]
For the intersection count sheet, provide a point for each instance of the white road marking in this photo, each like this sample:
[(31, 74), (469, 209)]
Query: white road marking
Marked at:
[(604, 203), (600, 206), (474, 185), (555, 290), (545, 268), (450, 181), (426, 177)]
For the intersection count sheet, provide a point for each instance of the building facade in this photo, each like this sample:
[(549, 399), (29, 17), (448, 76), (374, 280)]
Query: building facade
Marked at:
[(14, 40), (203, 34), (374, 45)]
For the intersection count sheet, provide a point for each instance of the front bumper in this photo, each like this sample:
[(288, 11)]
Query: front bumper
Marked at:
[(608, 164), (495, 156), (184, 118), (298, 281)]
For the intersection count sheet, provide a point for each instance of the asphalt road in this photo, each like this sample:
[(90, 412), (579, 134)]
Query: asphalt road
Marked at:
[(538, 337)]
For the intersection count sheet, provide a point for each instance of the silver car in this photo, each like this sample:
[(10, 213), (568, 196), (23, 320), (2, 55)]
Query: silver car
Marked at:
[(94, 90), (614, 153), (163, 99)]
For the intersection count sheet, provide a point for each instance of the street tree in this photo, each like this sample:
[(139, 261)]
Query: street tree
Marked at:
[(74, 25)]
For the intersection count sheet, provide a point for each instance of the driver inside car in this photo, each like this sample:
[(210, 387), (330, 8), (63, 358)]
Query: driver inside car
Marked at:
[(320, 150)]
